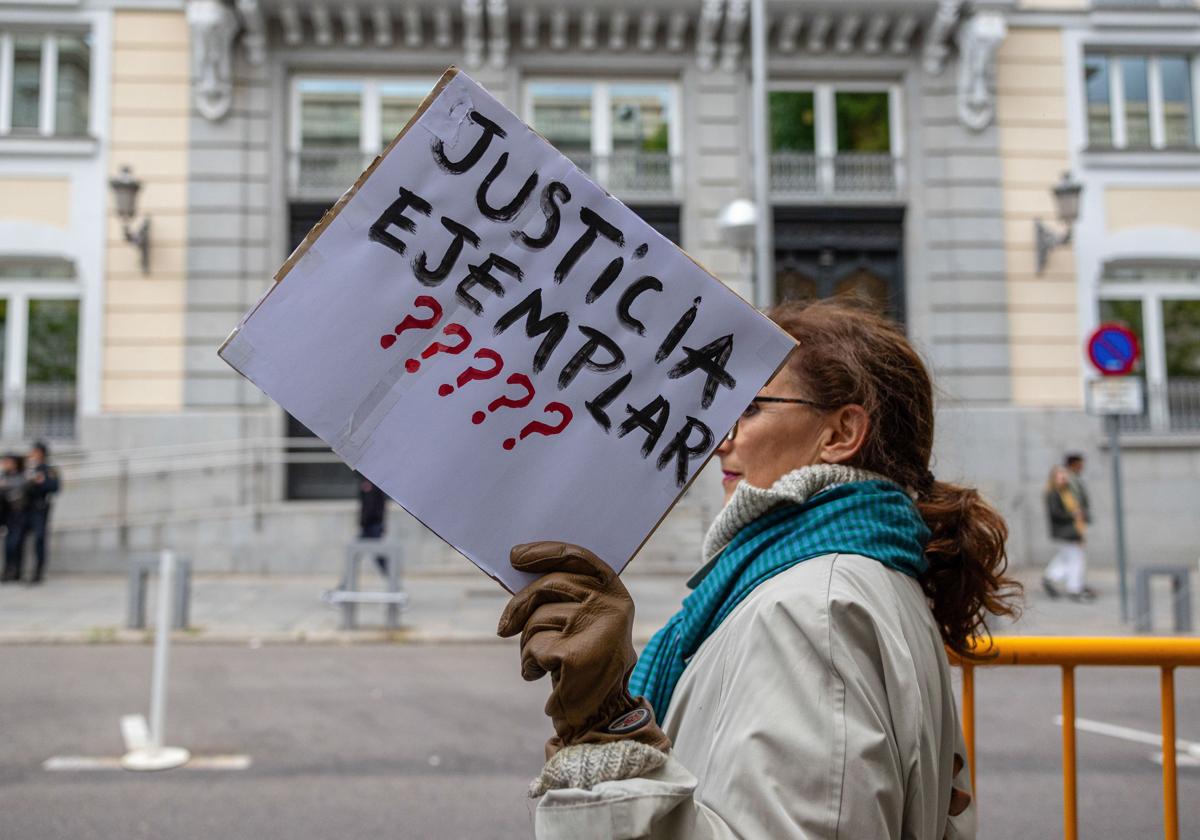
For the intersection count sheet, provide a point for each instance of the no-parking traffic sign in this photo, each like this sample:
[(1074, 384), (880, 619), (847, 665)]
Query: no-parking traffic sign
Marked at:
[(1113, 349)]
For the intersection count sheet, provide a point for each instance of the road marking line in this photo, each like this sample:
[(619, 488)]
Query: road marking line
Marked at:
[(103, 762), (1138, 736)]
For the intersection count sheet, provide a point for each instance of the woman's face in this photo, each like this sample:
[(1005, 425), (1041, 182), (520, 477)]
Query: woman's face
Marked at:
[(1060, 477), (8, 465), (775, 438)]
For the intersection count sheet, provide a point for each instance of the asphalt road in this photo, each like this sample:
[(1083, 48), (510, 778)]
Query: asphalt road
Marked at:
[(440, 742)]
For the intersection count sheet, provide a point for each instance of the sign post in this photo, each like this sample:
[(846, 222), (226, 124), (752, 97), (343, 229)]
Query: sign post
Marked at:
[(1113, 350)]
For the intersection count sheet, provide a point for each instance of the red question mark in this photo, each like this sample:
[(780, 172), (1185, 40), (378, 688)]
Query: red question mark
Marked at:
[(539, 428), (412, 365), (505, 401), (472, 374), (412, 322)]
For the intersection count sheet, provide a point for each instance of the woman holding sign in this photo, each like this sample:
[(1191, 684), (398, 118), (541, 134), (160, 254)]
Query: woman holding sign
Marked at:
[(803, 688)]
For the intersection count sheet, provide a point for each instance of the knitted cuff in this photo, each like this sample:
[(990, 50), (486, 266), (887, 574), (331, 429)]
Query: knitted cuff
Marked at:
[(586, 765)]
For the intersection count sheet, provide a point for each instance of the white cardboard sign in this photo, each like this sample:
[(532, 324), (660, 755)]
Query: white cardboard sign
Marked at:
[(506, 350)]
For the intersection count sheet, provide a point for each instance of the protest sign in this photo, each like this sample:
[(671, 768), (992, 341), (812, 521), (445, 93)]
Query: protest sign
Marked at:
[(505, 349)]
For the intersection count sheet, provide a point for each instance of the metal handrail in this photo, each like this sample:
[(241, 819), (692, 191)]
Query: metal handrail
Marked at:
[(1067, 653)]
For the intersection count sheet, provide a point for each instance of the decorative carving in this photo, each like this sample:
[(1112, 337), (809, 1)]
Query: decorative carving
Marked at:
[(351, 25), (676, 30), (618, 28), (214, 27), (497, 13), (472, 11), (818, 31), (412, 26), (736, 15), (978, 39), (559, 19), (529, 28), (589, 23), (937, 39), (254, 31), (706, 33), (648, 30), (847, 31), (789, 31), (873, 37), (289, 18), (381, 23), (322, 24), (902, 32), (443, 21)]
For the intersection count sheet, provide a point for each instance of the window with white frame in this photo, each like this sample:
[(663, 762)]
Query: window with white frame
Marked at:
[(1161, 305), (44, 83), (624, 134), (835, 138), (1142, 101), (338, 123), (39, 348)]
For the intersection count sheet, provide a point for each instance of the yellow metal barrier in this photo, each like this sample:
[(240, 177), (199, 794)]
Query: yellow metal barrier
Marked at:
[(1067, 652)]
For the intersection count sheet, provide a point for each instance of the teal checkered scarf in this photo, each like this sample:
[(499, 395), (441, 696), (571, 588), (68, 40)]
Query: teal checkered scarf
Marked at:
[(874, 519)]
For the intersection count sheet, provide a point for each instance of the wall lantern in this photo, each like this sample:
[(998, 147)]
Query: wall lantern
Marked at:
[(1066, 202), (125, 189)]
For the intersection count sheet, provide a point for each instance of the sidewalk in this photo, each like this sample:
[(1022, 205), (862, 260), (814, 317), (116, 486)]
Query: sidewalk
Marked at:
[(454, 607)]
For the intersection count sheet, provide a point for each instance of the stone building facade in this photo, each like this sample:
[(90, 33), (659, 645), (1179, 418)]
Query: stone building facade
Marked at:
[(914, 144)]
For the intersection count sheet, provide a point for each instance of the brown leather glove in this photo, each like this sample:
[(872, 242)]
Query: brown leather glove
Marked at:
[(576, 624)]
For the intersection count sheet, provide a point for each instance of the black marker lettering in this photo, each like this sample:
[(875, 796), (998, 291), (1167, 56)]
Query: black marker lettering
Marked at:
[(639, 287), (585, 357), (434, 276), (679, 449), (596, 406), (677, 332), (505, 213), (553, 325), (490, 130), (606, 278), (481, 275), (394, 215), (595, 227), (711, 359), (552, 193), (652, 419)]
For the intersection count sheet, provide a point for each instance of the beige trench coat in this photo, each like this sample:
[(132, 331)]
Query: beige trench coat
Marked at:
[(820, 708)]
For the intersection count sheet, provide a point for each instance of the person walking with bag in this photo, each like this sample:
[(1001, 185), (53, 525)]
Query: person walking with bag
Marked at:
[(803, 689)]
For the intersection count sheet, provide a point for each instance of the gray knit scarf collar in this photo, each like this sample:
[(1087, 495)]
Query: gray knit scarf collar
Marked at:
[(749, 502)]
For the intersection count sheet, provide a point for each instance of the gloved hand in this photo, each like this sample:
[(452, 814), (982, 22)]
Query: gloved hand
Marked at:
[(576, 623)]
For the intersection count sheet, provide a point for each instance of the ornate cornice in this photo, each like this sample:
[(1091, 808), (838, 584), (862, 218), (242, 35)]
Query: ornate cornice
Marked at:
[(978, 39)]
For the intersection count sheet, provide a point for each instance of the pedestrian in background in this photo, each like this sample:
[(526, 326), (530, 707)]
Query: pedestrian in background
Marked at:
[(372, 517), (1074, 464), (41, 482), (12, 514), (1068, 528)]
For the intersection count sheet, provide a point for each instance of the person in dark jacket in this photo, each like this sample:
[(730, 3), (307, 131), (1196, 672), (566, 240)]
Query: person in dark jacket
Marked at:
[(372, 518), (1068, 527), (12, 514), (41, 484)]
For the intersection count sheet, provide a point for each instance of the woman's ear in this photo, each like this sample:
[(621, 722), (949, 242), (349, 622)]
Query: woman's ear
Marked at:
[(846, 431)]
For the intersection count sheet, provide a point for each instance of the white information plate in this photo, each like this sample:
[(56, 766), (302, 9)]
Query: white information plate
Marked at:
[(505, 349), (1116, 395)]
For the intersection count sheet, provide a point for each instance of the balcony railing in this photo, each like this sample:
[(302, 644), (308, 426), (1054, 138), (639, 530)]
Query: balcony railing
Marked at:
[(851, 175), (41, 410), (1172, 406), (324, 174)]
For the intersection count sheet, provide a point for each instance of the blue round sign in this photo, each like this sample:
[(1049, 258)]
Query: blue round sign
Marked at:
[(1113, 349)]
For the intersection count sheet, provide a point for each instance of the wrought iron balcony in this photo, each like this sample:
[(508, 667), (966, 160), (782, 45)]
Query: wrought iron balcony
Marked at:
[(41, 410), (322, 174), (848, 175)]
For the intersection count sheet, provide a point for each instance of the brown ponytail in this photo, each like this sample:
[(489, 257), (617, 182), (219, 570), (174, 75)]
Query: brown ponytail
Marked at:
[(847, 354)]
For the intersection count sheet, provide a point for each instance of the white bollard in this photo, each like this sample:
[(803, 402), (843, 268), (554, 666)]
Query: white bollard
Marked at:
[(154, 756)]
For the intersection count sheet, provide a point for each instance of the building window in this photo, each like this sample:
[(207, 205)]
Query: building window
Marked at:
[(44, 83), (39, 348), (836, 139), (1162, 307), (625, 135), (338, 124), (1140, 101)]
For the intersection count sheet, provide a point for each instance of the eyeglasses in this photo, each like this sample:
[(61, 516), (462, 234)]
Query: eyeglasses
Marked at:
[(789, 400)]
